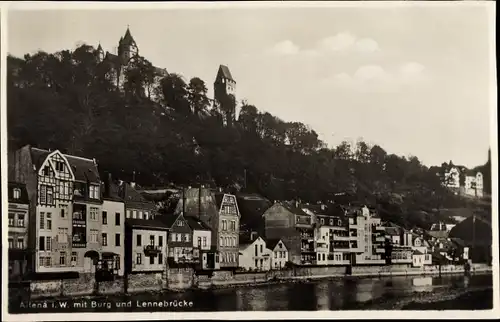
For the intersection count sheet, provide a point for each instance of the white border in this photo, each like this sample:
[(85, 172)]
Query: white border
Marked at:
[(490, 5)]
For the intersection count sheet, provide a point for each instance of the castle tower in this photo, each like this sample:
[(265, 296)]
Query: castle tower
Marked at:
[(225, 94), (100, 53), (127, 47)]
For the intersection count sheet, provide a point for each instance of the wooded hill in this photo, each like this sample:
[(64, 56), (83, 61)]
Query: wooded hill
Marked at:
[(169, 134)]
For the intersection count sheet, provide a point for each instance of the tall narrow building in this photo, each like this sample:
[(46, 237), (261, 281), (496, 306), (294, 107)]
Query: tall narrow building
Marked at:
[(225, 95)]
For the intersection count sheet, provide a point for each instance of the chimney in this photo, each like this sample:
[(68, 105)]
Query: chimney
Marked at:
[(107, 185), (323, 206), (132, 184), (296, 204), (220, 189), (253, 235)]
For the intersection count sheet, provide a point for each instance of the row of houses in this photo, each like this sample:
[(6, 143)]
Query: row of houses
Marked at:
[(65, 218)]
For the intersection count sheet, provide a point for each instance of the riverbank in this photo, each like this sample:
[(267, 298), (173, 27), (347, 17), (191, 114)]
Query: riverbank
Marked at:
[(444, 298)]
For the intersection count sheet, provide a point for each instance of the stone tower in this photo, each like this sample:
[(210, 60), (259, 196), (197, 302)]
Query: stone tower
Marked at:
[(127, 47), (225, 95), (100, 53)]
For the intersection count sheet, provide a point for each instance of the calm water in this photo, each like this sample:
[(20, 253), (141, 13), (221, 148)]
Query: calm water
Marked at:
[(338, 294)]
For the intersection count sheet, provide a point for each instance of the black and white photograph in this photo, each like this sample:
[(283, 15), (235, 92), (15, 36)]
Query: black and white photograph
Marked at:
[(236, 158)]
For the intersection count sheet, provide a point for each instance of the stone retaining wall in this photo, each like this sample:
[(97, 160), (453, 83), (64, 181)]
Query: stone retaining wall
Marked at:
[(145, 282)]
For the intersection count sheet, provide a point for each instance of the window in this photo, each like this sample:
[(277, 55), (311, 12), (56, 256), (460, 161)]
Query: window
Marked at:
[(134, 214), (117, 219), (93, 213), (256, 250), (204, 241), (94, 191), (50, 195), (42, 220), (41, 243), (11, 242), (233, 225), (104, 217), (179, 236), (48, 245), (160, 241), (43, 194), (62, 211), (94, 233), (138, 259), (128, 213), (62, 258), (160, 259), (60, 166), (139, 240), (151, 260), (140, 214), (199, 241), (172, 236), (275, 254), (62, 235), (17, 193), (261, 248), (11, 219), (104, 239), (221, 241), (117, 240), (151, 240), (49, 221), (20, 242), (186, 238), (146, 215), (73, 258)]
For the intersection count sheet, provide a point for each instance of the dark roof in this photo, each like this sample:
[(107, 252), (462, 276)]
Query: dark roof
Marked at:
[(392, 231), (196, 224), (458, 241), (113, 194), (24, 193), (113, 59), (417, 252), (99, 48), (145, 223), (272, 242), (290, 206), (169, 219), (84, 169), (133, 199), (218, 196), (127, 39), (225, 72)]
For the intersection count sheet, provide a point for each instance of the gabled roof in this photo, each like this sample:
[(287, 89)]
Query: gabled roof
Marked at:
[(84, 169), (271, 243), (196, 224), (169, 220), (224, 70), (23, 199), (145, 223), (290, 206)]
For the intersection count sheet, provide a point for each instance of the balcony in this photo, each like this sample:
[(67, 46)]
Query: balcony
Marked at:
[(307, 250), (380, 250), (151, 250), (379, 239), (342, 238)]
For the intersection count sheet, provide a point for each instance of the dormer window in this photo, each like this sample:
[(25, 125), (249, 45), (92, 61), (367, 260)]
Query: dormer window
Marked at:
[(94, 192), (47, 171), (17, 193)]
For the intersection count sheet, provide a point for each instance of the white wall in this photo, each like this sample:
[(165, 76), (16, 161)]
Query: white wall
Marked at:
[(205, 243), (145, 265), (248, 256), (111, 230)]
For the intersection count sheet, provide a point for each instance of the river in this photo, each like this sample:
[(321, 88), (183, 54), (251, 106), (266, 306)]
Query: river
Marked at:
[(333, 294)]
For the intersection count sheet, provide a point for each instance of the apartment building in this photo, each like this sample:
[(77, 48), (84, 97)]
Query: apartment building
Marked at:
[(113, 229), (65, 206), (202, 237), (18, 255), (289, 222), (220, 212), (180, 238), (145, 246)]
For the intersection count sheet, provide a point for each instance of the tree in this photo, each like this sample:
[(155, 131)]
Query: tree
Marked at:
[(197, 96)]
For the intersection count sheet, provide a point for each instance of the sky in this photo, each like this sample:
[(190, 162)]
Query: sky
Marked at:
[(414, 80)]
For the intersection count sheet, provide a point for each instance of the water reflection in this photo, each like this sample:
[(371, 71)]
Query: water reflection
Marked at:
[(320, 295)]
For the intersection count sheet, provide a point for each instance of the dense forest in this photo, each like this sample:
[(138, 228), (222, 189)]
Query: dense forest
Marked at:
[(164, 129)]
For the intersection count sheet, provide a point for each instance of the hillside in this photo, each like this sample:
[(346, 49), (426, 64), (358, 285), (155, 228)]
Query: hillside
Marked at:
[(169, 134)]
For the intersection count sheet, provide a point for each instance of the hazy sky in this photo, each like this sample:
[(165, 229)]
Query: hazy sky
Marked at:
[(413, 80)]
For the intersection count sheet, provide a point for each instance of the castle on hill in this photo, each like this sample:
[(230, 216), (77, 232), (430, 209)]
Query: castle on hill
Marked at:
[(128, 52)]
